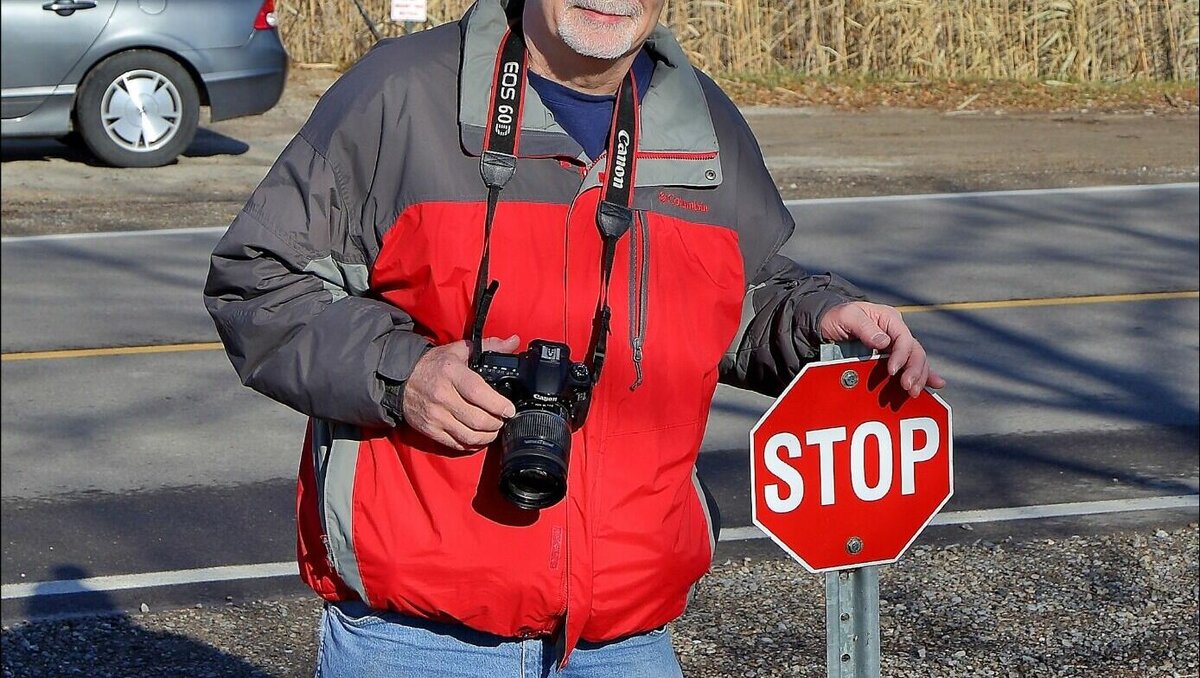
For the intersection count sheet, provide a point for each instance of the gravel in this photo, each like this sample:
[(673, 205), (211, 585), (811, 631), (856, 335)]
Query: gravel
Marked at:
[(1117, 605)]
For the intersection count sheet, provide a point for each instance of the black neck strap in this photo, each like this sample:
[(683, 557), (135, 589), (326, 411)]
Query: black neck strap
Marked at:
[(498, 164)]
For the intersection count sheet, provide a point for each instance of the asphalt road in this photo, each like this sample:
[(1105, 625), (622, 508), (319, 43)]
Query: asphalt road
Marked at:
[(1065, 321)]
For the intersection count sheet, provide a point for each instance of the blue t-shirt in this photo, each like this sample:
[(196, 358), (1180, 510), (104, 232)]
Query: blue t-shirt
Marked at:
[(587, 117)]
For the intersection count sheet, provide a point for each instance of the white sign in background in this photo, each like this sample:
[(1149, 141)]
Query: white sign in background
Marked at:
[(409, 10)]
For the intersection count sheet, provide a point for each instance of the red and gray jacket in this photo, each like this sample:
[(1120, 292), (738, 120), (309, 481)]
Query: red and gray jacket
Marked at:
[(360, 249)]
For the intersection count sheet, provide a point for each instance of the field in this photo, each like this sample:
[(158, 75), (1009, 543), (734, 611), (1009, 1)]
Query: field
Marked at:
[(902, 40)]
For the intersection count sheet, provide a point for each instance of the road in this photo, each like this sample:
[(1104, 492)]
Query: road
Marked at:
[(1065, 320)]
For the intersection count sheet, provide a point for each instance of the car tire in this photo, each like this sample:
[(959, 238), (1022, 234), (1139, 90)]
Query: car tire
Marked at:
[(137, 109)]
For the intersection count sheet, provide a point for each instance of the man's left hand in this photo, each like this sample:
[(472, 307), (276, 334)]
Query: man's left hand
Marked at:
[(881, 328)]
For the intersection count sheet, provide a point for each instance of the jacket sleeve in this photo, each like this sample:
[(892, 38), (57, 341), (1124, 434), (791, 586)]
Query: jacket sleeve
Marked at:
[(783, 311), (288, 291)]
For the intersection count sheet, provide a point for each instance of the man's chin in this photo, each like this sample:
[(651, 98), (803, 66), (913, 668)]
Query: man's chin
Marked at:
[(614, 47)]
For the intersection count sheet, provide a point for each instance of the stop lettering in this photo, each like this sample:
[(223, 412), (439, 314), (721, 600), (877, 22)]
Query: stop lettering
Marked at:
[(846, 468)]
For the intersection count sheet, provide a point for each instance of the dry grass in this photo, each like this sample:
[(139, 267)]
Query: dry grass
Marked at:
[(1021, 40)]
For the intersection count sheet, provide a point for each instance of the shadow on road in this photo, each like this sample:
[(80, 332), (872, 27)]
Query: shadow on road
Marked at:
[(207, 143), (12, 150), (104, 640)]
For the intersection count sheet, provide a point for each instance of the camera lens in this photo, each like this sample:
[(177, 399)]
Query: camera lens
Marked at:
[(533, 470)]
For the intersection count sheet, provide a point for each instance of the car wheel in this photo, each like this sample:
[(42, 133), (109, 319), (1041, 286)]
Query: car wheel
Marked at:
[(137, 109)]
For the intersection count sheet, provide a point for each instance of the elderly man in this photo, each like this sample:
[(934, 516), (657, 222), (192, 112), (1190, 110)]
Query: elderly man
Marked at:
[(502, 268)]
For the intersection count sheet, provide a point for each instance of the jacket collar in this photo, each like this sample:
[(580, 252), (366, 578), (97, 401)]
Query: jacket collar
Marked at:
[(678, 144)]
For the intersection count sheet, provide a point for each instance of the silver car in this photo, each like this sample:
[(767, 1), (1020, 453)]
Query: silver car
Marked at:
[(127, 77)]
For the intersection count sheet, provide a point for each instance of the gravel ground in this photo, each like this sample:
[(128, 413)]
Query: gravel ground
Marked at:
[(1117, 605)]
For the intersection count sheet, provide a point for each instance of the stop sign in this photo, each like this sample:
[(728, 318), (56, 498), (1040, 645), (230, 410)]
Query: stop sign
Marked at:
[(847, 468)]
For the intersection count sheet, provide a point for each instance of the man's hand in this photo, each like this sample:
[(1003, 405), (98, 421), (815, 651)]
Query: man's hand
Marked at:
[(450, 403), (880, 327)]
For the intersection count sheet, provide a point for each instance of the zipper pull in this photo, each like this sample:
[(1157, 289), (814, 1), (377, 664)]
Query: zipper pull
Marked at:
[(637, 363)]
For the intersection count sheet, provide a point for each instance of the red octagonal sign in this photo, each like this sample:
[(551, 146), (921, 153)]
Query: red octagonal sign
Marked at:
[(846, 468)]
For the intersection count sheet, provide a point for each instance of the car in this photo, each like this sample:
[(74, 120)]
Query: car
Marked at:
[(127, 78)]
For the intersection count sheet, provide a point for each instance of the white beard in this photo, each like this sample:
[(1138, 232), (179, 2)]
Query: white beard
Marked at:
[(600, 40)]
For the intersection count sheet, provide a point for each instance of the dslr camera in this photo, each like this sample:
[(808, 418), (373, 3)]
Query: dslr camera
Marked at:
[(551, 395)]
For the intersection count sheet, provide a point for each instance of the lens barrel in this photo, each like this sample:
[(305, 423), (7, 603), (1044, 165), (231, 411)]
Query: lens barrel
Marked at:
[(533, 468)]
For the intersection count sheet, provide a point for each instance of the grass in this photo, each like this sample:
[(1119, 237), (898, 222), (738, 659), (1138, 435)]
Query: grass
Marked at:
[(951, 40)]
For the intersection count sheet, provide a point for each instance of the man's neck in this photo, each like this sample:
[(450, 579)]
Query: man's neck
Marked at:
[(550, 58)]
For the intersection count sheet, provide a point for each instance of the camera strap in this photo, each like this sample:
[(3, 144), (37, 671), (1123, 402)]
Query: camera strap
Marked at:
[(614, 214), (498, 164)]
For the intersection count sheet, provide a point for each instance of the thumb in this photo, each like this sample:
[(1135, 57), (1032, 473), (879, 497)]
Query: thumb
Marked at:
[(502, 345)]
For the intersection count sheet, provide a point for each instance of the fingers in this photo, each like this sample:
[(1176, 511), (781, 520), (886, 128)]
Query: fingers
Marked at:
[(907, 360), (881, 327), (508, 345), (480, 401), (467, 426), (450, 403), (909, 363), (475, 391)]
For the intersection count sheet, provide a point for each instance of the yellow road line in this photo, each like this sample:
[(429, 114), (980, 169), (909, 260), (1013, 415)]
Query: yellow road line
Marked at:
[(116, 350), (1051, 301), (953, 306)]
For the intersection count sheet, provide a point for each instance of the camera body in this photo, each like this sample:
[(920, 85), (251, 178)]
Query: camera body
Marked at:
[(541, 378), (551, 395)]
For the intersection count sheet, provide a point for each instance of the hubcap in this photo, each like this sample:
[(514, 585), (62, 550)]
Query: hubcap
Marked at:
[(141, 111)]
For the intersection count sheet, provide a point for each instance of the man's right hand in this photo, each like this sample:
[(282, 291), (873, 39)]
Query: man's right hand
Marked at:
[(450, 403)]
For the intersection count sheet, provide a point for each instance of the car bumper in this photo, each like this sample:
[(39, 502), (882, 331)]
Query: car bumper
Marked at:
[(248, 80)]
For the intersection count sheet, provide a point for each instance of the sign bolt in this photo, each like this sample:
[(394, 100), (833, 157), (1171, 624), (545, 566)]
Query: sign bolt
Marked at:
[(849, 379), (854, 546)]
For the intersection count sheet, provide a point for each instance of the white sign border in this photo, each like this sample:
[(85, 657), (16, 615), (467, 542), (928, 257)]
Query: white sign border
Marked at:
[(753, 488)]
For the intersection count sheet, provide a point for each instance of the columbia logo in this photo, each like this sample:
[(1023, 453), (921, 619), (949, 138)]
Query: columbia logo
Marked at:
[(676, 201)]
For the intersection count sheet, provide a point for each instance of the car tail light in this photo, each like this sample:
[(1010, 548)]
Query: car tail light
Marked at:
[(266, 19)]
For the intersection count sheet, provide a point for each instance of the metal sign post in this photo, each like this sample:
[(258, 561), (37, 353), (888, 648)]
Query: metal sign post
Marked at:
[(852, 623), (846, 469), (851, 596)]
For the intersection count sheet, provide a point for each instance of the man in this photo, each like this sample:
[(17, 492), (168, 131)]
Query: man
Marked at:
[(641, 242)]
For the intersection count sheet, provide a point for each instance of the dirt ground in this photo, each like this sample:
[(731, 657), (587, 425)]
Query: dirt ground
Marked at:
[(813, 151)]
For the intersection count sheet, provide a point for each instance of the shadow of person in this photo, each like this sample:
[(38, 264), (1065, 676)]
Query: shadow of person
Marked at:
[(75, 630)]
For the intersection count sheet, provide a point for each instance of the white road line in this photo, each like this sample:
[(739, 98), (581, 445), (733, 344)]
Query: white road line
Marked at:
[(17, 239), (1040, 511), (119, 582), (966, 195), (289, 569)]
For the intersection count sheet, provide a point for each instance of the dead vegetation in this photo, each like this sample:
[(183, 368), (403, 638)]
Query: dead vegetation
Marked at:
[(898, 40)]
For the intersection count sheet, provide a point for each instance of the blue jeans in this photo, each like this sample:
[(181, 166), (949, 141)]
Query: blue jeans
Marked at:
[(358, 642)]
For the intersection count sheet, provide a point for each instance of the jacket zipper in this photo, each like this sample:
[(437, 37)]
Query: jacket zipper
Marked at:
[(677, 155), (560, 645), (322, 445), (639, 272)]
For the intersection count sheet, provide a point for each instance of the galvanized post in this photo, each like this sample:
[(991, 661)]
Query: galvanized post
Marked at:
[(852, 623), (851, 596)]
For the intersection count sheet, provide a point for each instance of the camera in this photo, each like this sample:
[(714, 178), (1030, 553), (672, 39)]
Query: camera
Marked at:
[(551, 395)]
